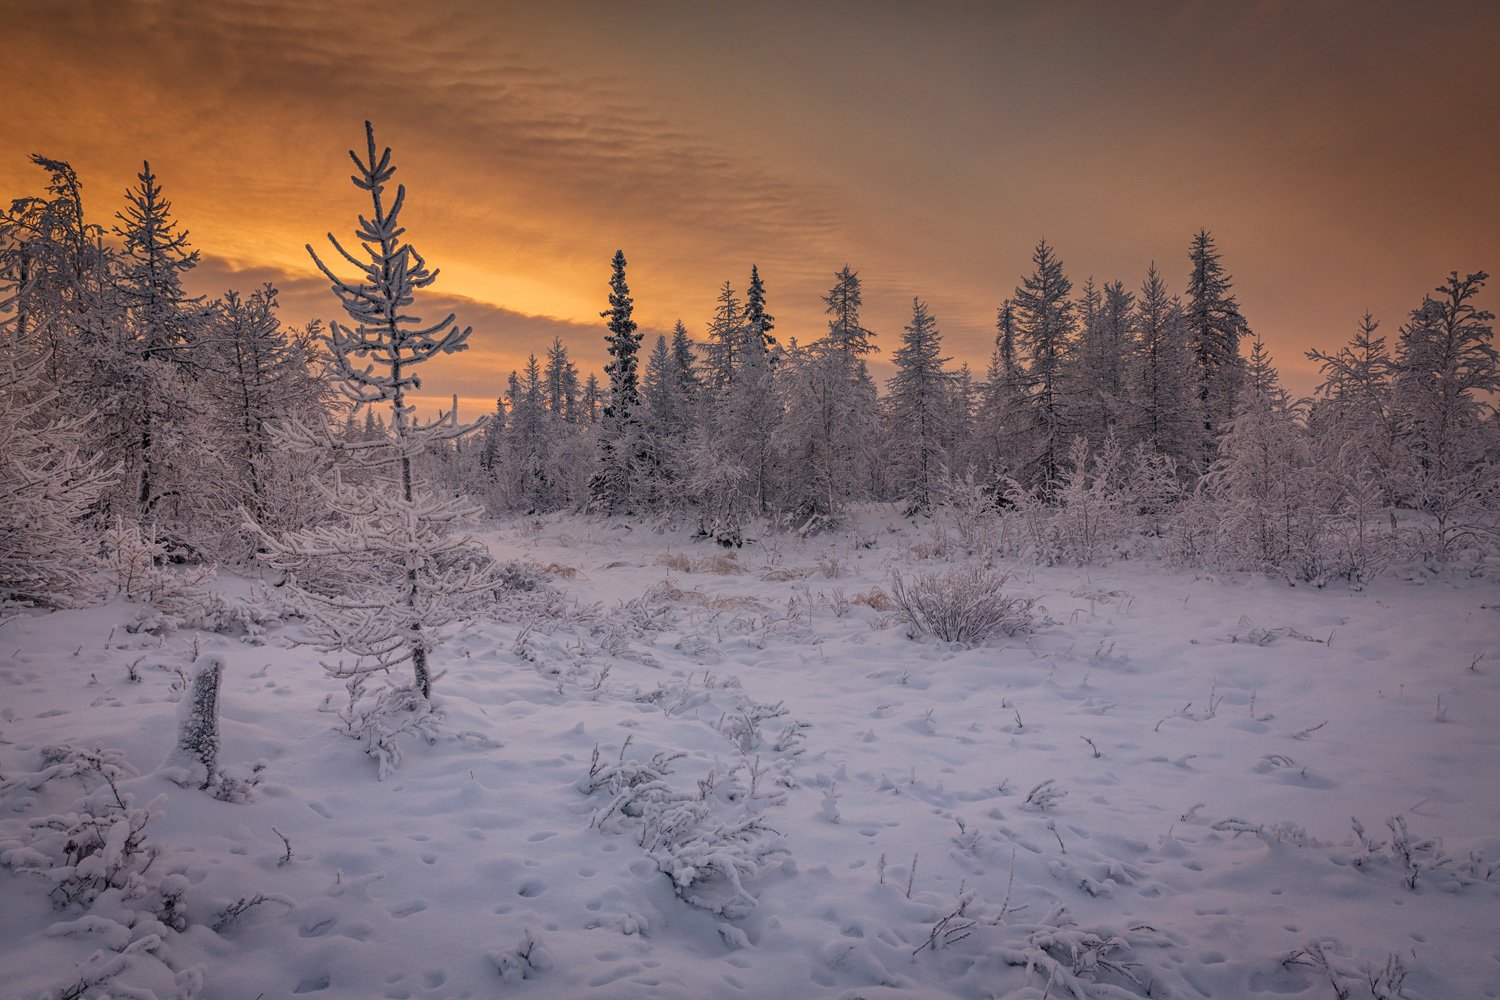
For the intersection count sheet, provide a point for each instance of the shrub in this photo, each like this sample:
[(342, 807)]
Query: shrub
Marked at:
[(964, 604)]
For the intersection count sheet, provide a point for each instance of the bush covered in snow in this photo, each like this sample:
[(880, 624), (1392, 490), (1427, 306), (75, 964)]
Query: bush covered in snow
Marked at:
[(966, 603), (100, 867)]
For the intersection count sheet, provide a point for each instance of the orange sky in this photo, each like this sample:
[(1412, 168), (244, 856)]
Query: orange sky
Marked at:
[(1343, 155)]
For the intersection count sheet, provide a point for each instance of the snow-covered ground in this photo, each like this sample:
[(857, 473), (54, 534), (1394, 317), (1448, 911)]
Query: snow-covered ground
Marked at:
[(1153, 794)]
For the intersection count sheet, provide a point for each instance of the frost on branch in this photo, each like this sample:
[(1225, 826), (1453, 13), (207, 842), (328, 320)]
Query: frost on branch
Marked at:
[(96, 861), (964, 604), (98, 845), (384, 578), (708, 842), (194, 760), (380, 722), (48, 485)]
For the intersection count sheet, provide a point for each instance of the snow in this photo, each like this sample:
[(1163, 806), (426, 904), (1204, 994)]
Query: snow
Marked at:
[(1153, 790)]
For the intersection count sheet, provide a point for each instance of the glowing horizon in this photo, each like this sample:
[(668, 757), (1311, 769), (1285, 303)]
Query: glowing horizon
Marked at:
[(928, 151)]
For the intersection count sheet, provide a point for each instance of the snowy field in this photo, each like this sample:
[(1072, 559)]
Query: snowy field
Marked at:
[(1158, 792)]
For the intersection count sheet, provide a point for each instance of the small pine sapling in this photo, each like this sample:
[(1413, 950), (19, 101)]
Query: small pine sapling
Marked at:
[(385, 579)]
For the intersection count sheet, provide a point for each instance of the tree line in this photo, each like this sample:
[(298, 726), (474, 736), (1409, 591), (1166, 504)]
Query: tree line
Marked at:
[(124, 399)]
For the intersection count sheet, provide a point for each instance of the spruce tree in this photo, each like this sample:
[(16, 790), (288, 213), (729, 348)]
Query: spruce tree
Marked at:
[(665, 421), (1357, 406), (530, 439), (831, 415), (260, 372), (1446, 379), (727, 335), (155, 257), (1163, 393), (1214, 328), (492, 444), (166, 458), (757, 320), (1099, 361), (685, 367), (1044, 322), (622, 453), (592, 394), (963, 408), (1000, 424), (660, 386), (1115, 355), (562, 382), (843, 303), (747, 415), (388, 575), (919, 402)]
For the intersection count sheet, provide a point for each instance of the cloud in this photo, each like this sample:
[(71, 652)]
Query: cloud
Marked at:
[(1338, 156), (523, 165)]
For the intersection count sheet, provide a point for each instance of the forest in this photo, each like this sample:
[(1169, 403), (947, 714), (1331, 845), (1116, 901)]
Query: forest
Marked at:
[(131, 405), (222, 507)]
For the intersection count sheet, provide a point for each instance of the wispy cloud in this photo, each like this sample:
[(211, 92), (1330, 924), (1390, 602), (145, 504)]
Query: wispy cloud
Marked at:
[(1338, 152), (522, 163)]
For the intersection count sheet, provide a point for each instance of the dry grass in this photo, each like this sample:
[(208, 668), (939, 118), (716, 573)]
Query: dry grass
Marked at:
[(874, 599), (733, 602), (724, 565), (669, 591), (784, 575)]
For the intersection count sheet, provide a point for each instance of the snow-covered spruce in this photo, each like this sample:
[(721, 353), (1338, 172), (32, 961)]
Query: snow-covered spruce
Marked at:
[(194, 760)]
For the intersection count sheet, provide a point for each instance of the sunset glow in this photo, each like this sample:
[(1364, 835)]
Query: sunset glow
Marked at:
[(1342, 155), (692, 500)]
